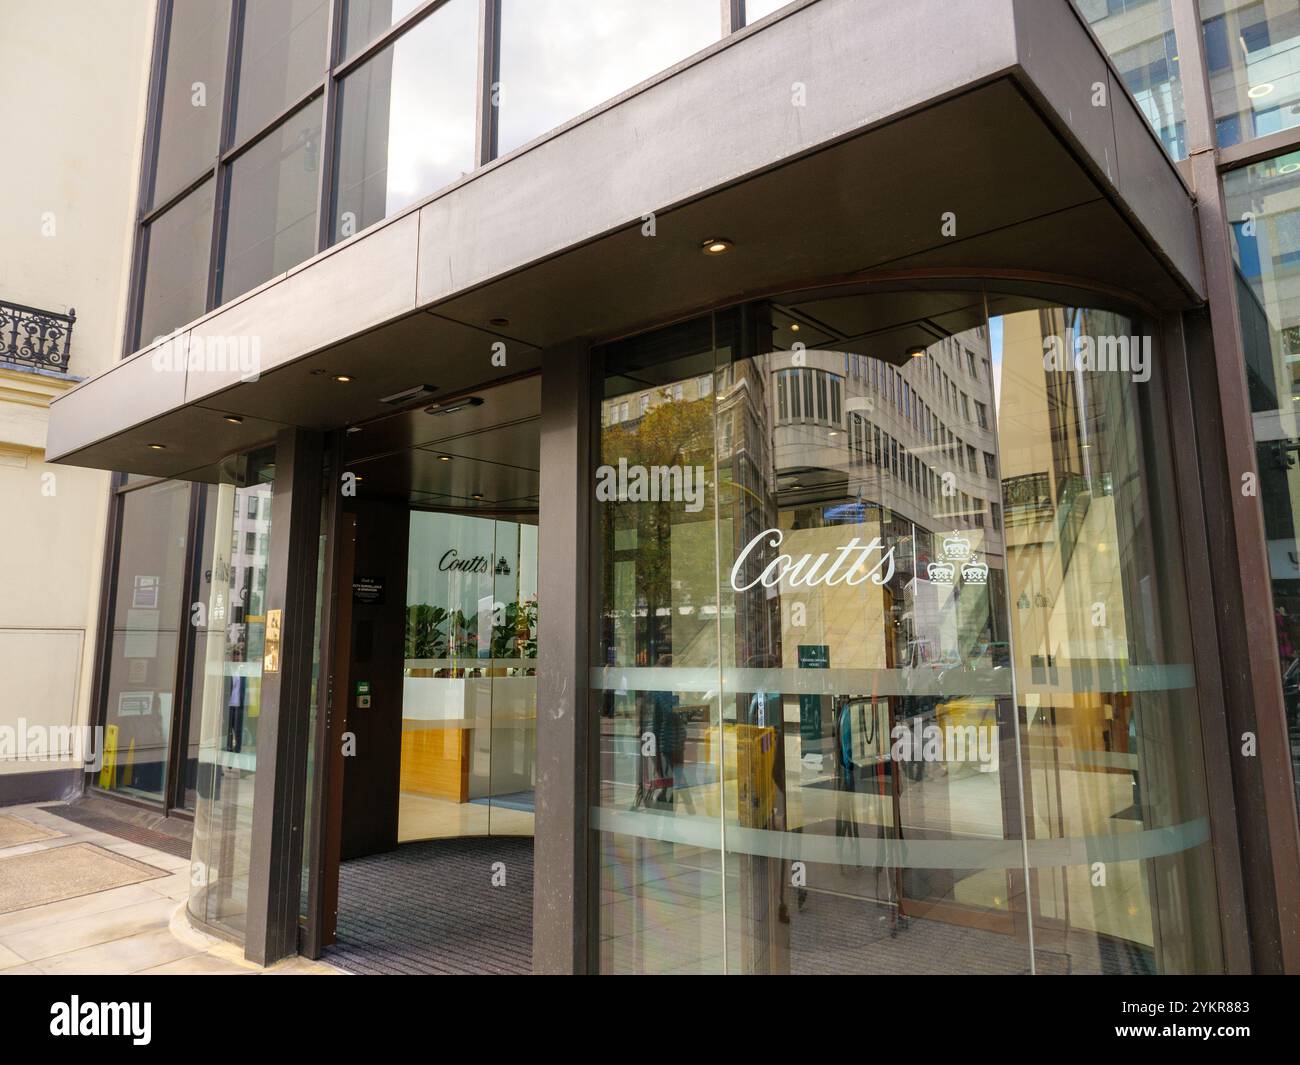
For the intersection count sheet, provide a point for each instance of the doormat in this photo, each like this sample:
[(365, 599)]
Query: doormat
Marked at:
[(59, 873), (14, 831), (176, 846)]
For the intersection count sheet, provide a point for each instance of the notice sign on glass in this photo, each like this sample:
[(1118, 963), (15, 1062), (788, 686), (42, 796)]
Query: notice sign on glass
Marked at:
[(812, 656), (368, 590)]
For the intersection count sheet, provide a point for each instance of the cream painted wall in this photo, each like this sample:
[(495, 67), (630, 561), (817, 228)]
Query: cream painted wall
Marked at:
[(73, 75)]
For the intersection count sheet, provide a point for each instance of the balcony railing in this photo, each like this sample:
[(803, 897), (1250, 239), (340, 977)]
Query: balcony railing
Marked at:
[(32, 337)]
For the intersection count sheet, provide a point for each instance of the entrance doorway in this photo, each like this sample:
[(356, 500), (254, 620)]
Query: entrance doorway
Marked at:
[(425, 860)]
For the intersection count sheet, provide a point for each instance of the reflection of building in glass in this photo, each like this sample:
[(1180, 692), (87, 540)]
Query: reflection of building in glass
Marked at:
[(1139, 37)]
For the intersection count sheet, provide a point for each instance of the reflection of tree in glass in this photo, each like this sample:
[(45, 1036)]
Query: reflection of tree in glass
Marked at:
[(669, 434)]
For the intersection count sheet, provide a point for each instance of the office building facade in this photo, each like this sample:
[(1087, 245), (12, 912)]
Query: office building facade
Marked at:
[(821, 470)]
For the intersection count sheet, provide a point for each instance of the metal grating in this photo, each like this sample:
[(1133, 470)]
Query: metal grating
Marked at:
[(111, 826), (430, 908)]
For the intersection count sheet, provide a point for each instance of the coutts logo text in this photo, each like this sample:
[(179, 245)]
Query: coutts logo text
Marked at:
[(849, 567)]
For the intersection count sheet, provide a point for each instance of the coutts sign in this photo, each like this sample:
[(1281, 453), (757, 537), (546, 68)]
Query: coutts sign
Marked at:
[(849, 565)]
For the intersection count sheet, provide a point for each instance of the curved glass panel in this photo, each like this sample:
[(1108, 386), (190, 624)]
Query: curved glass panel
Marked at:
[(230, 675), (895, 673)]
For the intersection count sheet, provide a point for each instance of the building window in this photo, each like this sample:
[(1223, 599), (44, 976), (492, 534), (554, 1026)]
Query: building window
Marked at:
[(189, 118), (559, 59), (281, 56), (175, 283), (981, 414), (1253, 55), (407, 119), (148, 614), (1139, 38), (365, 20), (1261, 201), (271, 214)]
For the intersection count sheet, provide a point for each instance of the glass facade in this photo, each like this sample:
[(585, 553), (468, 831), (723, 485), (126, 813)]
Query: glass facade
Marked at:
[(1252, 50), (757, 9), (271, 214), (189, 107), (893, 665), (1263, 203), (231, 683), (882, 688), (407, 119), (176, 265), (281, 57), (559, 59), (469, 685), (145, 642), (1138, 35)]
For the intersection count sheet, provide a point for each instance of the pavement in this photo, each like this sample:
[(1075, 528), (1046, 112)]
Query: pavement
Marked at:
[(139, 927)]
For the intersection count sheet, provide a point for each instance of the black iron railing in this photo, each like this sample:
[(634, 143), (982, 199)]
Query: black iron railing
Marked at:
[(32, 337)]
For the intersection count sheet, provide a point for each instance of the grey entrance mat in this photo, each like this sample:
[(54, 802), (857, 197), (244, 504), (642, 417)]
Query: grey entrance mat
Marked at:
[(431, 908), (14, 831), (59, 873)]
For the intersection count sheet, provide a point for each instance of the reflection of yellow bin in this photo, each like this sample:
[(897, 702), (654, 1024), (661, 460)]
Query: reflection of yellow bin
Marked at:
[(749, 758), (966, 711), (107, 773)]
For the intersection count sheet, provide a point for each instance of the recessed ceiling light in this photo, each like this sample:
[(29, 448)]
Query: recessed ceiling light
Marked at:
[(1255, 92), (233, 419), (444, 458), (916, 352), (158, 447), (716, 246), (796, 486), (794, 327), (477, 496), (343, 378), (499, 322)]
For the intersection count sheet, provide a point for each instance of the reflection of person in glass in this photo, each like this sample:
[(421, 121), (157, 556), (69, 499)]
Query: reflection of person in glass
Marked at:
[(662, 745), (846, 823)]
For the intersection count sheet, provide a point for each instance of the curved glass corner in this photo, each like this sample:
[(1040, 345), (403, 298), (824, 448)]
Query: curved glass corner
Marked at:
[(894, 667)]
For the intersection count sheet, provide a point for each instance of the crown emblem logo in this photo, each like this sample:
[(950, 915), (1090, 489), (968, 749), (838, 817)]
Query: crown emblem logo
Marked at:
[(941, 572), (975, 573), (956, 547)]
